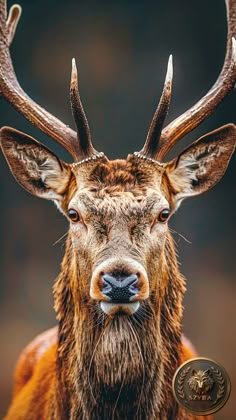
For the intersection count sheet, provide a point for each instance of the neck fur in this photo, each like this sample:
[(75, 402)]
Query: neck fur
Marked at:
[(121, 367)]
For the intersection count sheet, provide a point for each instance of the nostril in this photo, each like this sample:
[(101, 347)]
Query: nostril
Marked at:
[(133, 288), (106, 289), (106, 286), (120, 288), (127, 281), (108, 279)]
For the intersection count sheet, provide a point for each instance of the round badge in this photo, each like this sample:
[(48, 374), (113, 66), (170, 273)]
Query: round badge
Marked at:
[(201, 386)]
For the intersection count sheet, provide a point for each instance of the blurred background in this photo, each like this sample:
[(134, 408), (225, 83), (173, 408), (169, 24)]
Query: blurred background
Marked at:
[(122, 50)]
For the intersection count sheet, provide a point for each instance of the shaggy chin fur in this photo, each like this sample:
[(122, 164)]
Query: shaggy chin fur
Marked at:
[(119, 367)]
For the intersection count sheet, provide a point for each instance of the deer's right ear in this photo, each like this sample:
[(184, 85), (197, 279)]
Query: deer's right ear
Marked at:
[(34, 166)]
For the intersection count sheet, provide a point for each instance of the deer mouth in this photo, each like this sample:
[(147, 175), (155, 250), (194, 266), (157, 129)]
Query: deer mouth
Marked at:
[(111, 308)]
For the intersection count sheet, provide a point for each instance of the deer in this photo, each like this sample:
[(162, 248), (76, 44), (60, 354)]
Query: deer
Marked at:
[(118, 297)]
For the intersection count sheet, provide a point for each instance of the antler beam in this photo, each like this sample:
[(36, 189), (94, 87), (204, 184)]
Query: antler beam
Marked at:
[(15, 95), (206, 105)]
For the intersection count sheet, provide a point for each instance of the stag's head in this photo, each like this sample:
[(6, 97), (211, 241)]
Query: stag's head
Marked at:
[(118, 210)]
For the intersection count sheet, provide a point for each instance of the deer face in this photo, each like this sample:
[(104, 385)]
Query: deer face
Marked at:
[(118, 210), (118, 229)]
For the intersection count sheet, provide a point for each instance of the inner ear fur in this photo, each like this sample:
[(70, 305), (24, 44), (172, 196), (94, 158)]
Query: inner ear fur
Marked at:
[(35, 167), (201, 166)]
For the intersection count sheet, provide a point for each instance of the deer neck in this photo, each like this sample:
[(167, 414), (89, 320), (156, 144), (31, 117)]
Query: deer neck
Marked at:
[(118, 368)]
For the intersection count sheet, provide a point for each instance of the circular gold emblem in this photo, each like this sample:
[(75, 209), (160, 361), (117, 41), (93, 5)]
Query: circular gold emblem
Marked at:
[(201, 386)]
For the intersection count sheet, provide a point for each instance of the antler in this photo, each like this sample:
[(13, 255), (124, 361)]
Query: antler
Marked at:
[(150, 147), (77, 144), (204, 107), (85, 144)]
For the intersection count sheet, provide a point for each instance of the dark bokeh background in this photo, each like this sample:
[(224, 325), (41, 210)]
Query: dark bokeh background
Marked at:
[(122, 50)]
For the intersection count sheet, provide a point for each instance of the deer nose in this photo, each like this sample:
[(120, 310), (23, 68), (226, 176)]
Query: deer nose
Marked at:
[(119, 288)]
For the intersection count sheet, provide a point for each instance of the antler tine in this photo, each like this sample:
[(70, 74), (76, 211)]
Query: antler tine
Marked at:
[(12, 21), (83, 131), (206, 105), (150, 147), (15, 95)]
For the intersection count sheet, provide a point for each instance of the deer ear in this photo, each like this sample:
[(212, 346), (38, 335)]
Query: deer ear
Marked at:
[(201, 166), (33, 165)]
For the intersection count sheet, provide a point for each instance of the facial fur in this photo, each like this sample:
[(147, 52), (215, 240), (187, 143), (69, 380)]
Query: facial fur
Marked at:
[(118, 221)]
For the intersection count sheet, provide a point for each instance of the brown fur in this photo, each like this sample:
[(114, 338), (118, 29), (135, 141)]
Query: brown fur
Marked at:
[(99, 366)]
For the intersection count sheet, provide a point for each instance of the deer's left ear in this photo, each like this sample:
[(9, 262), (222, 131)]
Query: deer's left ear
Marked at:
[(201, 165), (35, 167)]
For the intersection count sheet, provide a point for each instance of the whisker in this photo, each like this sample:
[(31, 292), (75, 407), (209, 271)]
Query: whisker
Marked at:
[(97, 316), (145, 312), (60, 239), (141, 318), (182, 236), (135, 319), (121, 387)]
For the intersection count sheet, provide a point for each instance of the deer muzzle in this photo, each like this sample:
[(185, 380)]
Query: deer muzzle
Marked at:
[(119, 285)]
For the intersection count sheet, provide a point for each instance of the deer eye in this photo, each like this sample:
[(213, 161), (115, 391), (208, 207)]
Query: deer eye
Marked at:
[(164, 215), (73, 215)]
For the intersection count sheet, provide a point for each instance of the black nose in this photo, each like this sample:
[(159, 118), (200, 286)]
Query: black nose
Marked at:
[(119, 288)]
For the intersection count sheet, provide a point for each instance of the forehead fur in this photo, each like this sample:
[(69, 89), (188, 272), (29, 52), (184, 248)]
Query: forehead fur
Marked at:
[(115, 177), (123, 173)]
